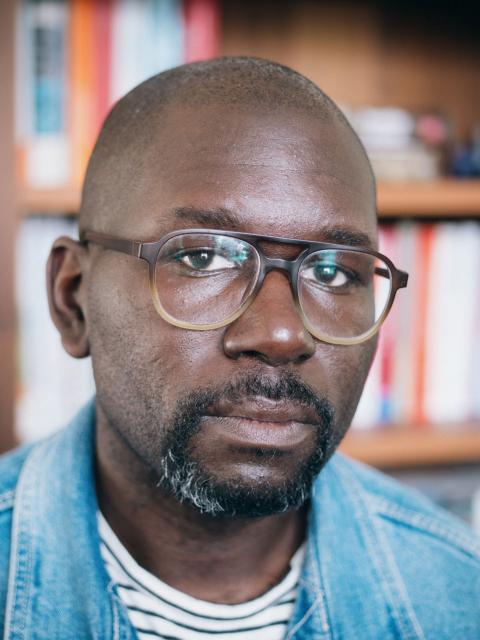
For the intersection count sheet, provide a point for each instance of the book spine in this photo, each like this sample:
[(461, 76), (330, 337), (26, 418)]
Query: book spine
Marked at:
[(453, 291), (403, 355), (388, 246), (421, 298), (47, 157), (102, 41), (82, 74), (202, 30)]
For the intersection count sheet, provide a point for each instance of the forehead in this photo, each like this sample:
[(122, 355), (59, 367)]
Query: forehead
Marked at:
[(286, 174)]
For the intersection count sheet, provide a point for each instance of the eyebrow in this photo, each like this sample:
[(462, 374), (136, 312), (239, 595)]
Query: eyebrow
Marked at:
[(215, 218), (226, 219), (346, 236)]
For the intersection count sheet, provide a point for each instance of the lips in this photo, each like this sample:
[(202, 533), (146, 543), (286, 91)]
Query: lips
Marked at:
[(264, 410), (261, 423)]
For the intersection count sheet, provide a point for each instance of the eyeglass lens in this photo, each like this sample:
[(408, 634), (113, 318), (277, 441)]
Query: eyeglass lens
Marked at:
[(206, 278)]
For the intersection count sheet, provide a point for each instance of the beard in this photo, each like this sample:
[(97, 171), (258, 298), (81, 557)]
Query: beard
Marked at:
[(186, 479)]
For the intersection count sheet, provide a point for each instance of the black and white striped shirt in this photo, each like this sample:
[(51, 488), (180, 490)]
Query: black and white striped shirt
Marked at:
[(159, 611)]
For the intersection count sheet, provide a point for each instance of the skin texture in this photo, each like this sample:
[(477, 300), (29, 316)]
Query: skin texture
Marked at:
[(284, 173)]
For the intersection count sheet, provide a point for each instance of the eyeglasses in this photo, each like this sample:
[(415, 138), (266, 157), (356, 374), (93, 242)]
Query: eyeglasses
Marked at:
[(203, 279)]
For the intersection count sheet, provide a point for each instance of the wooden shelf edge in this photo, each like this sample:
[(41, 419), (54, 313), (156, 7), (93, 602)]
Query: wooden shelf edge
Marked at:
[(51, 201), (447, 197), (398, 446)]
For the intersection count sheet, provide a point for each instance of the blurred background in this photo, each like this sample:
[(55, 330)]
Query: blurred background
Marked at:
[(406, 74)]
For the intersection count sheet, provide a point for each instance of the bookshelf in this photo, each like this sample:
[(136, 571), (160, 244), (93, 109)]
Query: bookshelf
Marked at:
[(401, 446), (383, 75), (446, 197), (394, 446)]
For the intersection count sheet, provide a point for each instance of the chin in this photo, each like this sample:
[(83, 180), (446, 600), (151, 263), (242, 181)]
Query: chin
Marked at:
[(252, 491)]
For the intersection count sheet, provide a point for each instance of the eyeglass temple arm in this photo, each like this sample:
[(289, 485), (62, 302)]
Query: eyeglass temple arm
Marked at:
[(131, 247), (402, 276)]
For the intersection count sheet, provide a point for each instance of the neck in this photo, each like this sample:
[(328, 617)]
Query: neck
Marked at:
[(224, 560)]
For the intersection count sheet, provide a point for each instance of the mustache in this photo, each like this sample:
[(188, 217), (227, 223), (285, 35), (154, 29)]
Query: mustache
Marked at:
[(287, 388)]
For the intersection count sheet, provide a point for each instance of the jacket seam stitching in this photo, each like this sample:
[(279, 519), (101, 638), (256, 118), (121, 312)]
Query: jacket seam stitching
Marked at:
[(319, 589), (395, 586), (318, 601), (7, 500), (427, 524), (19, 565), (116, 621)]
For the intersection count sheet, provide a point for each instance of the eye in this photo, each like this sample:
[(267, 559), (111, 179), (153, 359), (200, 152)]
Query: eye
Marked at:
[(328, 274), (205, 260)]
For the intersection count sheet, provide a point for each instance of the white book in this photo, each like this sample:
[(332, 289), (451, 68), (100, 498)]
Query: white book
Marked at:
[(146, 39), (41, 96), (475, 355), (450, 323), (367, 415)]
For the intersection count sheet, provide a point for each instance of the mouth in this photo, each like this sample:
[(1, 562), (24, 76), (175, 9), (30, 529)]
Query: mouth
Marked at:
[(261, 423)]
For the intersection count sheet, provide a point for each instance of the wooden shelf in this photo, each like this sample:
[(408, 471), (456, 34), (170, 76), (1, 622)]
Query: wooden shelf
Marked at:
[(447, 197), (52, 201), (399, 446)]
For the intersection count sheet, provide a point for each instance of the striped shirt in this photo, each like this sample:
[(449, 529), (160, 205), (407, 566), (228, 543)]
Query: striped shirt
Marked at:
[(156, 610)]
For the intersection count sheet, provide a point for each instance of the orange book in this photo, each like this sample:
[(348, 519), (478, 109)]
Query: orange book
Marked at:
[(420, 304), (83, 117)]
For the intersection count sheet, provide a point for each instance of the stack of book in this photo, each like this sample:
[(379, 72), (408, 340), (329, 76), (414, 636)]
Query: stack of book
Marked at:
[(402, 145), (427, 367), (75, 58)]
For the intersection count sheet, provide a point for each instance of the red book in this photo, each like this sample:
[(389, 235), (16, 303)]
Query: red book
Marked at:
[(420, 304), (102, 26), (388, 244), (202, 29)]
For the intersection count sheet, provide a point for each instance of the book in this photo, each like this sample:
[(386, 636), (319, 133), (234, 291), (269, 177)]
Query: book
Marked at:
[(77, 58), (421, 295), (41, 98), (453, 286), (147, 38), (202, 27), (427, 367)]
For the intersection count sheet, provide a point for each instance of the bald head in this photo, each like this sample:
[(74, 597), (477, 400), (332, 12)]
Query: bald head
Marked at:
[(137, 130)]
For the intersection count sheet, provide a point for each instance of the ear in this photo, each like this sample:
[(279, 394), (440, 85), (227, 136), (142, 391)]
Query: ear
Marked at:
[(66, 271)]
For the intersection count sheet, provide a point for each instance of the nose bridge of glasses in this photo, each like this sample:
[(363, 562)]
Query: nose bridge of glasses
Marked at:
[(279, 264)]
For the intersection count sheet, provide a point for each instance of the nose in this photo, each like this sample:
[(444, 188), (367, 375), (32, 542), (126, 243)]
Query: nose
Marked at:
[(271, 329)]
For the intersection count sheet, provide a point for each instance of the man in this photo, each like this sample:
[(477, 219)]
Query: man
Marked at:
[(228, 288)]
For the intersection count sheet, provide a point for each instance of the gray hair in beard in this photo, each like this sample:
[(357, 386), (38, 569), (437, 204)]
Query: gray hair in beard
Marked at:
[(182, 476)]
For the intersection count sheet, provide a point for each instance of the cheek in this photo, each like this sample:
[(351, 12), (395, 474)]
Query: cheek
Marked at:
[(137, 357), (347, 368)]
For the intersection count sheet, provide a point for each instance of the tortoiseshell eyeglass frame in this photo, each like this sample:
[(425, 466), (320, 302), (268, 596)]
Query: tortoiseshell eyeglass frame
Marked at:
[(149, 252)]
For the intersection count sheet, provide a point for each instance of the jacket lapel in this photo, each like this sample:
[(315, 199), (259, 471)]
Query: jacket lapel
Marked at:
[(349, 571), (58, 586)]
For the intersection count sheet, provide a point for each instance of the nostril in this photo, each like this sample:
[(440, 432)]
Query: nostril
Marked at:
[(303, 358)]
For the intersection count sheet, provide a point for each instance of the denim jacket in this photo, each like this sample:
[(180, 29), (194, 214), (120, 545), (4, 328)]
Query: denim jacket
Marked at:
[(381, 561)]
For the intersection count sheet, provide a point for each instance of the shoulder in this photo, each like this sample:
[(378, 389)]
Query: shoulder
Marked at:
[(435, 555), (405, 508)]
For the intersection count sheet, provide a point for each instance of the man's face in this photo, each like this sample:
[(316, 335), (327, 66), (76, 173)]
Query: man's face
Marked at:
[(249, 413)]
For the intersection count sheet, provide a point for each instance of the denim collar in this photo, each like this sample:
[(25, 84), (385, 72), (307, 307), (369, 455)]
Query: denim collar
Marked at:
[(59, 588)]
